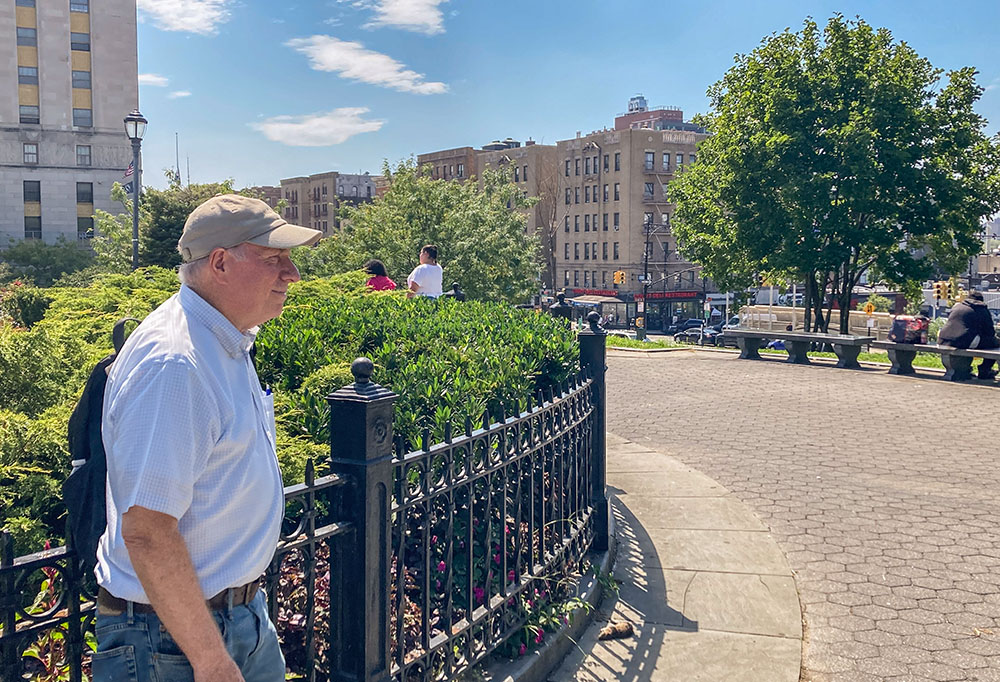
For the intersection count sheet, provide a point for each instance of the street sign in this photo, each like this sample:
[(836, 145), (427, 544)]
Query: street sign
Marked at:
[(871, 322), (869, 309), (640, 307)]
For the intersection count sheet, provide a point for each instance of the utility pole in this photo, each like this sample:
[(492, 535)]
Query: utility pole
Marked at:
[(645, 280)]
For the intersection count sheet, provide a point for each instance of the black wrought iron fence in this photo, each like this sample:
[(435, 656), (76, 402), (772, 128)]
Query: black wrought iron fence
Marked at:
[(397, 566)]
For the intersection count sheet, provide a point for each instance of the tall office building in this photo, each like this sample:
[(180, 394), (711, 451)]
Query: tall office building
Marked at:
[(68, 76)]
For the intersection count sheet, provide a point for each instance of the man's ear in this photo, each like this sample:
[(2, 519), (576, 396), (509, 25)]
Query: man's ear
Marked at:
[(218, 263)]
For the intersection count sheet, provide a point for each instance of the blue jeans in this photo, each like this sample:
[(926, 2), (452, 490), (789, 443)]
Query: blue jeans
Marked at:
[(139, 649)]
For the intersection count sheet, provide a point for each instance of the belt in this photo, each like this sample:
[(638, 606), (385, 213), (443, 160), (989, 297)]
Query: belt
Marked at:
[(110, 605)]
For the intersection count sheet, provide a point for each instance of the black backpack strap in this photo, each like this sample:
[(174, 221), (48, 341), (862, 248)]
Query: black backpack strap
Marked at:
[(118, 332)]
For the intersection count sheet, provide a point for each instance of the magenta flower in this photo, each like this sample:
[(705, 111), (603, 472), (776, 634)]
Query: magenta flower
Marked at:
[(441, 566), (496, 558), (479, 594), (539, 637), (510, 575), (434, 539), (522, 649)]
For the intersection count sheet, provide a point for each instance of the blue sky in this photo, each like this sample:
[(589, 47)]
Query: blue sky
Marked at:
[(365, 80)]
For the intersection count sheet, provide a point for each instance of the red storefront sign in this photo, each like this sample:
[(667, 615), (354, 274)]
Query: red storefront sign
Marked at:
[(594, 292), (692, 295)]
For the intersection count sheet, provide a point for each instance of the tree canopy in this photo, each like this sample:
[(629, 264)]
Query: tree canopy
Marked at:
[(481, 237), (834, 151)]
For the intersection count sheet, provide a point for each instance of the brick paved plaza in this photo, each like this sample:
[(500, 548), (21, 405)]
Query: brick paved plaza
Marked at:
[(882, 492)]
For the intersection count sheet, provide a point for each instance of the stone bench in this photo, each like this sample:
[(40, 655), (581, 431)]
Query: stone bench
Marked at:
[(847, 348), (957, 361)]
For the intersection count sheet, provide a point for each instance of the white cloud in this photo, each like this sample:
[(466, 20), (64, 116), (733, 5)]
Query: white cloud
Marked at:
[(351, 60), (193, 16), (420, 16), (318, 130), (179, 93), (153, 79)]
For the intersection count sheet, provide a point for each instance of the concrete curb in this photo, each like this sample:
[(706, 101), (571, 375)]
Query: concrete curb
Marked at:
[(537, 665)]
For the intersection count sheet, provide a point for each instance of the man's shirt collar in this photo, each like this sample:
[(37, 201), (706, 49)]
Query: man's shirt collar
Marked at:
[(233, 341)]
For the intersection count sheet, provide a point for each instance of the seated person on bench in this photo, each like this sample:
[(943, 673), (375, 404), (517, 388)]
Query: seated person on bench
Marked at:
[(970, 325)]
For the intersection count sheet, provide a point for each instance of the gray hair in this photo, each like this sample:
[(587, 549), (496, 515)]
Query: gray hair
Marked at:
[(190, 273)]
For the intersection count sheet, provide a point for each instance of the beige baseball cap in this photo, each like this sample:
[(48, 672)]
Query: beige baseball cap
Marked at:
[(227, 220)]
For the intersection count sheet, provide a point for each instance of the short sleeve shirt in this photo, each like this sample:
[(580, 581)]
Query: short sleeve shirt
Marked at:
[(428, 277), (189, 433)]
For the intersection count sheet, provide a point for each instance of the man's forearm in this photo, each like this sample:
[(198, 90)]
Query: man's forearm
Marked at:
[(163, 565)]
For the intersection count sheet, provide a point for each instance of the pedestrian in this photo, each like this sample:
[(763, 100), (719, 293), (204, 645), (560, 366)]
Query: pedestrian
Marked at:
[(379, 281), (970, 325), (194, 492), (426, 278)]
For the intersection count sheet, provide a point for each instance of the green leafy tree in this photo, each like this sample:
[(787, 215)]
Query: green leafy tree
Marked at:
[(881, 303), (480, 234), (112, 240), (833, 152), (42, 263)]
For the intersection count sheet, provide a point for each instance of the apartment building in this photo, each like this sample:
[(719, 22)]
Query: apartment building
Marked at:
[(612, 204), (313, 200), (449, 164), (533, 169), (68, 74)]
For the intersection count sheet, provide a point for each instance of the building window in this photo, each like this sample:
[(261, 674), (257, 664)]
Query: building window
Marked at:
[(566, 250), (368, 188), (32, 190), (616, 250), (594, 192), (517, 174), (586, 278), (567, 175), (576, 223), (30, 152), (618, 161), (586, 255), (81, 79), (25, 3), (665, 220), (461, 170), (27, 75), (586, 166), (324, 190), (576, 195), (593, 250), (596, 158), (524, 173), (567, 196), (84, 192), (604, 275), (666, 161), (576, 278), (576, 251), (605, 162), (79, 41), (83, 118), (691, 158), (27, 36), (605, 222), (28, 113), (586, 194), (576, 165), (566, 224), (32, 227), (354, 191), (616, 224), (586, 223), (84, 228), (605, 192), (79, 6), (617, 191), (650, 160), (647, 191), (680, 160), (604, 250), (647, 219)]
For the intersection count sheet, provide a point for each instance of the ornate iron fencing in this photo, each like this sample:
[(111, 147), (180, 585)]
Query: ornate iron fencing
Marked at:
[(397, 566)]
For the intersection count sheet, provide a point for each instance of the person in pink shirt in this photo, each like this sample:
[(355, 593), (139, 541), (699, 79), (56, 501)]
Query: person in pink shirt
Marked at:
[(378, 281)]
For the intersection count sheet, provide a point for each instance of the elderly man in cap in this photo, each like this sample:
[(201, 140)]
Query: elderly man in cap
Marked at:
[(194, 492), (970, 325)]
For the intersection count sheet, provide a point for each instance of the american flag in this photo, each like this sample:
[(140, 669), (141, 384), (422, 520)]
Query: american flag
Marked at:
[(128, 171)]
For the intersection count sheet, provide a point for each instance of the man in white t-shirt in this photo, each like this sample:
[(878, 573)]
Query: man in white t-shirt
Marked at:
[(425, 280)]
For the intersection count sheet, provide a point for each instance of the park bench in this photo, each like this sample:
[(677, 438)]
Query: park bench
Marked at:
[(957, 361), (847, 348)]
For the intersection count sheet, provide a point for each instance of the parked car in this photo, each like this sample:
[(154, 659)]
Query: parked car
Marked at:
[(733, 321), (690, 323), (701, 336), (624, 333)]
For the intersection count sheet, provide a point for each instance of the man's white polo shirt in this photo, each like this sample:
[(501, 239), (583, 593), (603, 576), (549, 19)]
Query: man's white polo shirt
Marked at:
[(189, 433)]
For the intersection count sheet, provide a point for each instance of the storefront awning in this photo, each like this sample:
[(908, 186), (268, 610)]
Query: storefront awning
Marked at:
[(592, 300)]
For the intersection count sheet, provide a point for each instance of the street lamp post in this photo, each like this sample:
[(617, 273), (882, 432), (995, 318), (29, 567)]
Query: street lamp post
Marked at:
[(135, 128)]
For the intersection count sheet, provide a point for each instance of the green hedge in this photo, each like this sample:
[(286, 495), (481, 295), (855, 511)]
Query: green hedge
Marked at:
[(446, 360)]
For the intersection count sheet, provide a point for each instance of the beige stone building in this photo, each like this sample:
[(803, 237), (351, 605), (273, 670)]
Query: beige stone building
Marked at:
[(68, 76), (612, 192), (533, 169), (313, 200), (450, 164)]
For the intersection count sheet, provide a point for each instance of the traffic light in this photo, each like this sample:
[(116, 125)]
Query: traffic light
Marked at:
[(941, 290), (619, 277)]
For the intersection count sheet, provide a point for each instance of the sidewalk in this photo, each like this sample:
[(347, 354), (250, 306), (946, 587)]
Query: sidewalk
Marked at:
[(710, 595)]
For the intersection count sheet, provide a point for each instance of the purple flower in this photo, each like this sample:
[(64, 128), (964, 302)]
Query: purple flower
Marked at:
[(441, 566), (434, 539), (496, 558), (510, 575), (539, 637), (521, 649), (479, 594)]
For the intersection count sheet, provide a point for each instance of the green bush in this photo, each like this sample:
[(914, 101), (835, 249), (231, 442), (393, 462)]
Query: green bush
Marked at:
[(24, 305)]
